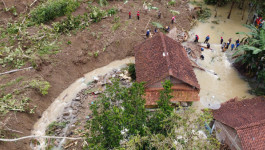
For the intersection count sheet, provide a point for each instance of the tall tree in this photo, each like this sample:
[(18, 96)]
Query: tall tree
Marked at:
[(233, 3)]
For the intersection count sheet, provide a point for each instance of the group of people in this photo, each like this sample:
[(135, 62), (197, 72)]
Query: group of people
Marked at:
[(148, 32), (224, 47), (137, 16)]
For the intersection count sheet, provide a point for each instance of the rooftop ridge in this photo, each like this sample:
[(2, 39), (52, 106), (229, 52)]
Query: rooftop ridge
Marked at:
[(166, 54)]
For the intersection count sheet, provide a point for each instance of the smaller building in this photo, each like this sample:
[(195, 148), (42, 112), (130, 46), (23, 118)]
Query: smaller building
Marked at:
[(240, 124), (161, 58)]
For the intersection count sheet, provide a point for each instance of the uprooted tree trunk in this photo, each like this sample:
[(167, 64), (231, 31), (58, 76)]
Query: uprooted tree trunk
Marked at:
[(233, 3)]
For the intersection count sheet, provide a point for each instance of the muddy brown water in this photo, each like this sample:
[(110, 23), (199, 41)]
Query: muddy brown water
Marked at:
[(227, 84)]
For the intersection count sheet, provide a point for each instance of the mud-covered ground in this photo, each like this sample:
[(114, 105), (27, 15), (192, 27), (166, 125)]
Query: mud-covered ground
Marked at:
[(74, 60)]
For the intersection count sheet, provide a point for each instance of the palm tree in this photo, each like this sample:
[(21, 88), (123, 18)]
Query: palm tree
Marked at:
[(253, 57)]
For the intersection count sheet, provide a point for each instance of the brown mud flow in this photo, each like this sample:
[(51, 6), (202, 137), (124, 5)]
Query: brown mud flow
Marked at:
[(227, 83)]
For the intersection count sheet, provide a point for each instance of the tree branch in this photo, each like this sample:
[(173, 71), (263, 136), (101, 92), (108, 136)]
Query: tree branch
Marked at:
[(37, 136)]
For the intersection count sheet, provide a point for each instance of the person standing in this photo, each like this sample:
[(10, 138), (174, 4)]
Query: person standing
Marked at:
[(237, 41), (148, 33), (159, 14), (196, 38), (173, 19), (237, 45), (227, 45), (207, 39), (223, 46), (232, 46), (230, 40), (138, 15), (155, 30), (208, 45), (222, 40), (130, 15)]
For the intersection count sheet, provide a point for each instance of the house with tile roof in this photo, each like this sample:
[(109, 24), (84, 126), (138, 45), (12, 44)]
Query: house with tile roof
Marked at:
[(161, 58), (240, 124)]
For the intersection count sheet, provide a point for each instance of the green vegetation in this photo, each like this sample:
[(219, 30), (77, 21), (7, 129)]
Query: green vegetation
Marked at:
[(40, 86), (120, 121), (252, 61), (8, 103), (172, 2), (71, 23), (131, 70), (116, 24), (112, 11), (157, 25), (102, 2), (54, 126), (52, 9), (97, 14), (204, 14)]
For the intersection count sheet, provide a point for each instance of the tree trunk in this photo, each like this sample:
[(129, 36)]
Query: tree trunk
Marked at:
[(216, 10), (249, 14), (244, 9), (233, 3)]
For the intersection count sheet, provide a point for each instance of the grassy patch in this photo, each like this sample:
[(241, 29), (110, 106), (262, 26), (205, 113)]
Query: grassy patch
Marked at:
[(40, 86), (52, 9)]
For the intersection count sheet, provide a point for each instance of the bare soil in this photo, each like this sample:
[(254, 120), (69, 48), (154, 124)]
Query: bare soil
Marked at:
[(75, 59)]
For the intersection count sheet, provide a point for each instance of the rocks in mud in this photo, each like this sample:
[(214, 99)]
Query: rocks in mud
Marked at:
[(184, 104), (77, 99)]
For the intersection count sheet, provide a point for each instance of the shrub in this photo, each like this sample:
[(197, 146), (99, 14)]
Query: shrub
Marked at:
[(9, 103), (67, 25), (112, 11), (204, 14), (41, 86), (97, 14), (52, 9), (131, 71)]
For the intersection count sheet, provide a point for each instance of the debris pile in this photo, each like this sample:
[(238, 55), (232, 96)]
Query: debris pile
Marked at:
[(71, 114)]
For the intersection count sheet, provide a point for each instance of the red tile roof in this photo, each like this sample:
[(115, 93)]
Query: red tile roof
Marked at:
[(160, 57), (248, 118)]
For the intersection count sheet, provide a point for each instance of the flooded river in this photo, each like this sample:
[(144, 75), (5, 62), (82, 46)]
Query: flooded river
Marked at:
[(227, 84)]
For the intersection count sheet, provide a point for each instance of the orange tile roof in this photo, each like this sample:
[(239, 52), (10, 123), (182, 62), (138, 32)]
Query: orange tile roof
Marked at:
[(160, 57), (248, 118)]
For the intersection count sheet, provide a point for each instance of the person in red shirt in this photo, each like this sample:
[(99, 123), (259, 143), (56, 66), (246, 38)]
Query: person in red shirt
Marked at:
[(173, 19), (196, 38), (130, 15), (138, 15)]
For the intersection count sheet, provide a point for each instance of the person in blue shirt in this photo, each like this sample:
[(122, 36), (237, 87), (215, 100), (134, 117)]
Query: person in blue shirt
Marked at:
[(237, 44), (148, 33), (207, 39), (202, 49), (232, 46), (237, 41)]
